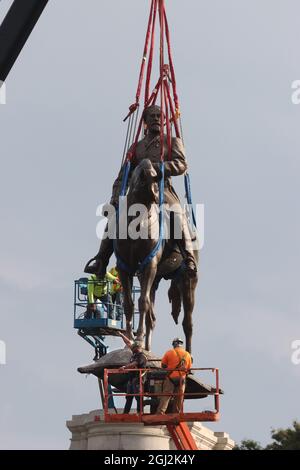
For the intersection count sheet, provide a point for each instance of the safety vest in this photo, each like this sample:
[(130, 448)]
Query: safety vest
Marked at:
[(115, 286)]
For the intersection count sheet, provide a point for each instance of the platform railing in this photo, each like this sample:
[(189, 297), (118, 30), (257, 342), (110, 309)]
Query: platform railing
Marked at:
[(208, 415)]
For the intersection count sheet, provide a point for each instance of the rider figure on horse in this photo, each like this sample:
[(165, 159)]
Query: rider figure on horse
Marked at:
[(150, 147)]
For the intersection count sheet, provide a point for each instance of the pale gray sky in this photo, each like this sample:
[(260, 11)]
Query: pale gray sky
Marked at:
[(61, 142)]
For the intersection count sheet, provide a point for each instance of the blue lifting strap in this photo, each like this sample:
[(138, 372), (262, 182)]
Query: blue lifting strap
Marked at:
[(188, 192), (125, 178)]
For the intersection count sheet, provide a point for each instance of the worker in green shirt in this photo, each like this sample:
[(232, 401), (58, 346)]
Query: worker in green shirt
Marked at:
[(116, 294), (100, 288)]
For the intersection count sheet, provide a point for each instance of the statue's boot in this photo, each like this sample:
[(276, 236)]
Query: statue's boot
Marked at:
[(99, 263), (189, 259), (186, 247)]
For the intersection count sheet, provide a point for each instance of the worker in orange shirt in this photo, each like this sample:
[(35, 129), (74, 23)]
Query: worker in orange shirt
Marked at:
[(180, 360)]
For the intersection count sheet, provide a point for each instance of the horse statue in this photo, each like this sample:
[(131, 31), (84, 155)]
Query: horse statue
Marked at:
[(168, 261)]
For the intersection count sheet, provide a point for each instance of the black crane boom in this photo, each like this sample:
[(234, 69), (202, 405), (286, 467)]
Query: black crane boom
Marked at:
[(16, 29)]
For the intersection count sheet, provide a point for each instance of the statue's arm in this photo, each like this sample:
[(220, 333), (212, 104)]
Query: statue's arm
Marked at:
[(177, 165)]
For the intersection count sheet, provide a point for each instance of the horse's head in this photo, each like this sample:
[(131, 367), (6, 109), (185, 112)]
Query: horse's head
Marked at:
[(144, 183)]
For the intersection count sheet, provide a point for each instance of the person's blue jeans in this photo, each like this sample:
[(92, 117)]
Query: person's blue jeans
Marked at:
[(117, 305), (133, 386), (106, 300)]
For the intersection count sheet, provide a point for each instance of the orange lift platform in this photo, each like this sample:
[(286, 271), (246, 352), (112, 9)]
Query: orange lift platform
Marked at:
[(176, 422)]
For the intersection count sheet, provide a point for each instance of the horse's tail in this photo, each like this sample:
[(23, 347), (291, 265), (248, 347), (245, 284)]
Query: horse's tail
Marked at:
[(175, 300)]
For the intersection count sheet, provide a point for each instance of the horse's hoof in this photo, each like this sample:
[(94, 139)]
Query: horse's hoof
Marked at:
[(175, 316)]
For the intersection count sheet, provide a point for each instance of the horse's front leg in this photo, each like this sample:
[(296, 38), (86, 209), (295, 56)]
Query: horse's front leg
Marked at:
[(146, 279), (150, 320), (126, 281)]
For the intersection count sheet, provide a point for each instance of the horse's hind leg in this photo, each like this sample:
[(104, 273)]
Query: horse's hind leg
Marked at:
[(188, 286), (174, 295)]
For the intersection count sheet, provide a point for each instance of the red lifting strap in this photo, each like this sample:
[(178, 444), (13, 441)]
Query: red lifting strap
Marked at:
[(162, 101), (150, 62), (139, 88), (171, 63), (169, 104), (151, 25)]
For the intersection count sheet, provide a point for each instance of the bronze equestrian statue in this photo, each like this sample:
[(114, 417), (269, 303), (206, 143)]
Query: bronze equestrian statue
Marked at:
[(176, 256)]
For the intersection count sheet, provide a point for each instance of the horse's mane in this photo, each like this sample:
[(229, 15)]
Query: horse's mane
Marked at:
[(144, 165), (137, 182)]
